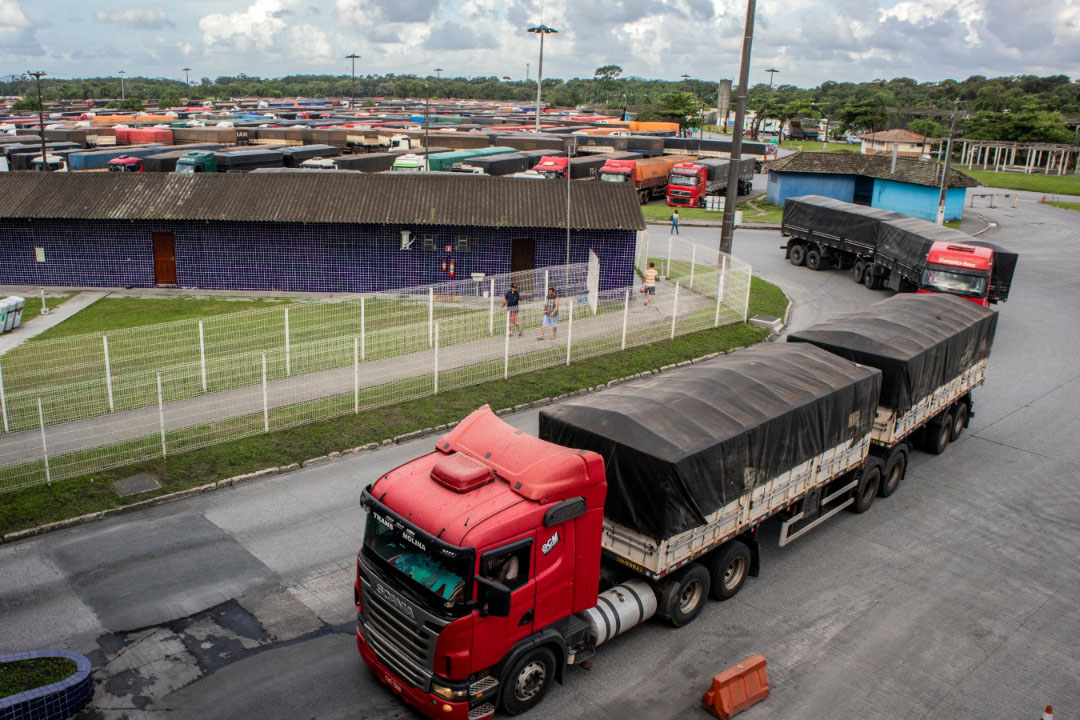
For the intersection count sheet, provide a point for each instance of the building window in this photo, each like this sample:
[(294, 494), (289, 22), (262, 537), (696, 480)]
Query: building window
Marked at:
[(462, 243), (39, 254), (429, 242)]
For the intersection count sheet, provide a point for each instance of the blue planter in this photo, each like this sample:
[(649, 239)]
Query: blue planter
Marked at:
[(52, 702)]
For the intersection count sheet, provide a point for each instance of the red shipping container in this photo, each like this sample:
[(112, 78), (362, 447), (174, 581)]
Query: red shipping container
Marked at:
[(146, 136), (123, 135), (737, 688)]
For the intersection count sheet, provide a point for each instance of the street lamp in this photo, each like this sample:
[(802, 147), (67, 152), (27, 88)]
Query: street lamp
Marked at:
[(41, 117), (187, 76), (771, 71), (540, 30), (438, 73), (352, 88), (122, 95)]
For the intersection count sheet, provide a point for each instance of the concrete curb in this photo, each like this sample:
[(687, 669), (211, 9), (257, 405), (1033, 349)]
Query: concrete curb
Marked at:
[(368, 447), (989, 224)]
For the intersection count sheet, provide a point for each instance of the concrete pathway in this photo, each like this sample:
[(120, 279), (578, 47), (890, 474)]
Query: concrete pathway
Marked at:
[(11, 340)]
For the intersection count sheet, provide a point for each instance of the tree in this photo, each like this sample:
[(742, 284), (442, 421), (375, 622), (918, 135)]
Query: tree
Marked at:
[(26, 104), (927, 127), (129, 104), (681, 107), (608, 72)]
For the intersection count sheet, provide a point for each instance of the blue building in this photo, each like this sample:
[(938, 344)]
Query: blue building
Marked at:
[(909, 186)]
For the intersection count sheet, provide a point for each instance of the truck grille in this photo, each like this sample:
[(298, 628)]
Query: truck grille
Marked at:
[(406, 646)]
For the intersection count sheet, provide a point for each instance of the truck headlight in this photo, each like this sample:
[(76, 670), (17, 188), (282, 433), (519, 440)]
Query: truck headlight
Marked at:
[(448, 693)]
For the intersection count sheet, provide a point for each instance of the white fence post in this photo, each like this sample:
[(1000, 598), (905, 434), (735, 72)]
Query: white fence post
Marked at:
[(288, 354), (720, 290), (3, 401), (506, 349), (363, 331), (44, 308), (356, 374), (674, 310), (108, 371), (202, 355), (625, 313), (746, 307), (569, 331), (667, 265), (266, 405), (430, 316), (545, 285), (161, 415), (491, 310), (693, 261), (44, 445), (435, 369)]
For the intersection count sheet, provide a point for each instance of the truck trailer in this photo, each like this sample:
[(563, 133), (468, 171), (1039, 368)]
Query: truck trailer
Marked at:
[(691, 182), (492, 564), (648, 175), (504, 164), (888, 249)]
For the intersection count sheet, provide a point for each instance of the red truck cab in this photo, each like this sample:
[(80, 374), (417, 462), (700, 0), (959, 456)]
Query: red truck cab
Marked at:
[(686, 185), (618, 171), (126, 164), (958, 269), (552, 167), (473, 555)]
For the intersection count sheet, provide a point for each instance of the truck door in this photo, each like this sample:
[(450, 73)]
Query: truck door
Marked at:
[(512, 565), (555, 568)]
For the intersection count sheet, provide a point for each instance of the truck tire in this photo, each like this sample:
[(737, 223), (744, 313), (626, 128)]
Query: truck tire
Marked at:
[(528, 681), (867, 489), (870, 280), (643, 196), (797, 254), (728, 569), (683, 594), (937, 433), (857, 271), (959, 420), (813, 259), (895, 469)]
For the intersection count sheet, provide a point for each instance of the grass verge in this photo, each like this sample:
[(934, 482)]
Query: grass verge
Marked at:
[(814, 146), (1050, 184), (69, 498), (22, 675), (754, 210), (32, 309), (1066, 205)]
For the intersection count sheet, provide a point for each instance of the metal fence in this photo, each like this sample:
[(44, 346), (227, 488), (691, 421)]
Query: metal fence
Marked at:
[(78, 405)]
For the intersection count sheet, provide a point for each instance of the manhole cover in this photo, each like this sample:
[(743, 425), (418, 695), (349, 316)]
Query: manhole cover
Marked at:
[(143, 482)]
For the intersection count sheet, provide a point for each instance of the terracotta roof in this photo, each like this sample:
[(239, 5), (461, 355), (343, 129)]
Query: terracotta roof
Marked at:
[(897, 135), (909, 170), (383, 198)]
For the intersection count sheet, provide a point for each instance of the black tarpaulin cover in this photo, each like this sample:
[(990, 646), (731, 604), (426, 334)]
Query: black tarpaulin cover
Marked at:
[(908, 240), (856, 223), (1001, 274), (683, 444), (919, 342)]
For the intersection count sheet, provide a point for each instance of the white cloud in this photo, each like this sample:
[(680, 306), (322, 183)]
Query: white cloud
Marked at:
[(16, 30), (266, 27), (136, 18)]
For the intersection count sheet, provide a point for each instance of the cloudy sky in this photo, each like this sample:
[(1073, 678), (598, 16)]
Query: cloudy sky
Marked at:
[(809, 41)]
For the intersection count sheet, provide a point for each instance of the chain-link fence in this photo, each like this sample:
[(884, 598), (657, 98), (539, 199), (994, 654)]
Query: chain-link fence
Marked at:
[(75, 406)]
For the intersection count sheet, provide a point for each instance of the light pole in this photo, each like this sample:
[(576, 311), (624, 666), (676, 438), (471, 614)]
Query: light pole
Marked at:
[(942, 193), (727, 231), (528, 68), (540, 30), (438, 73), (771, 71), (352, 87), (123, 96), (187, 76), (41, 117)]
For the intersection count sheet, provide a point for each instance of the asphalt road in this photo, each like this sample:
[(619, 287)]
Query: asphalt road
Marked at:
[(954, 598)]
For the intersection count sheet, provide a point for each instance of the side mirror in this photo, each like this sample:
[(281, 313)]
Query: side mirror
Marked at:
[(494, 597)]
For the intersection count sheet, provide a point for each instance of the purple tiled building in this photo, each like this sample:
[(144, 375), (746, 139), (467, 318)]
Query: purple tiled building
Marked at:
[(303, 232)]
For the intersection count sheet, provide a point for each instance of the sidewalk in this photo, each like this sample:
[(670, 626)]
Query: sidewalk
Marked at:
[(11, 340)]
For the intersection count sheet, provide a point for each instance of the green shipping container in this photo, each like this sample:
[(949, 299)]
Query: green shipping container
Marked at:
[(445, 161)]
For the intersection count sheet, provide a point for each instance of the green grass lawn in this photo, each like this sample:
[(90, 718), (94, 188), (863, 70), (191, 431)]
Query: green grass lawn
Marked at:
[(1066, 205), (754, 210), (33, 305), (22, 675), (1049, 184), (814, 146)]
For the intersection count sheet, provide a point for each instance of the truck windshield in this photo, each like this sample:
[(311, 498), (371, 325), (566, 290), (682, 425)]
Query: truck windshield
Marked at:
[(550, 174), (184, 167), (954, 283), (613, 177), (438, 572), (687, 180)]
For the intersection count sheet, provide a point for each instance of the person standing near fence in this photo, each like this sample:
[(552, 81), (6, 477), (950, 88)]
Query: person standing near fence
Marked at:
[(674, 223), (551, 315), (511, 301), (649, 286)]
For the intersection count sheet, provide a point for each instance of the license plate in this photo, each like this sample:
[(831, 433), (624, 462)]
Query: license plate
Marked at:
[(389, 680)]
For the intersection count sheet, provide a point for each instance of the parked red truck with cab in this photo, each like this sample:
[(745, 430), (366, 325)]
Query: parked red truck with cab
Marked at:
[(691, 182), (648, 175)]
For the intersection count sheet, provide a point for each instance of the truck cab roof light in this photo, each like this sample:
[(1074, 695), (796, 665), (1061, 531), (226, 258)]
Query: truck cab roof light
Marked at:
[(962, 248)]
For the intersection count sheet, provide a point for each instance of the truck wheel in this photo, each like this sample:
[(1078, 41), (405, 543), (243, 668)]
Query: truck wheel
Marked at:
[(959, 420), (813, 259), (528, 681), (870, 280), (895, 469), (937, 433), (728, 570), (797, 254), (683, 595), (643, 196), (857, 271), (867, 489)]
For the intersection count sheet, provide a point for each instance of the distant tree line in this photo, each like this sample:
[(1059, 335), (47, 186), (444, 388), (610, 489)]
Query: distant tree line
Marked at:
[(1023, 108)]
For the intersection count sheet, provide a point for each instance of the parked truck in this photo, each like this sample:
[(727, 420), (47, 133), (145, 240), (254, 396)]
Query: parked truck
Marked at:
[(691, 182), (492, 564), (888, 249), (648, 175), (585, 167), (237, 161)]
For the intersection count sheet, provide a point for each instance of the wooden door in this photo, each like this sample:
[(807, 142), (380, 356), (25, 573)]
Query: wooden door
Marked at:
[(164, 258), (523, 258)]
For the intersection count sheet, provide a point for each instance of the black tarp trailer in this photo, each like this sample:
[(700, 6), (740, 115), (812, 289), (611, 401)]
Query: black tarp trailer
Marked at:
[(932, 351), (504, 164), (1001, 273), (246, 160), (294, 155), (702, 455)]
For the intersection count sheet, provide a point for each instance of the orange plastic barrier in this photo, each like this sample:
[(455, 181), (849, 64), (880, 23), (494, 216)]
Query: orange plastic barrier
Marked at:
[(737, 688)]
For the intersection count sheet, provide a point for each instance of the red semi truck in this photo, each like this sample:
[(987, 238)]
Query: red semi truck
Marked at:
[(494, 563), (126, 163), (648, 175), (690, 182)]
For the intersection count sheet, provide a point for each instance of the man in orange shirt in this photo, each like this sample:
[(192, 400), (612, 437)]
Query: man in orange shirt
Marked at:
[(649, 287)]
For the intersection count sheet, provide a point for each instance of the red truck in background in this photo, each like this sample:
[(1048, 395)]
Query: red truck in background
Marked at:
[(126, 163), (583, 167), (691, 182), (648, 175)]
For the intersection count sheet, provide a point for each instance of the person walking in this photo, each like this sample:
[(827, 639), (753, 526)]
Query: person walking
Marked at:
[(511, 301), (551, 315), (649, 286), (674, 223)]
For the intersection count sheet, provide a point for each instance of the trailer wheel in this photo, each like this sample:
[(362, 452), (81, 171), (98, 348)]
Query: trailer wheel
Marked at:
[(797, 254), (728, 570), (643, 196), (813, 259), (895, 469), (528, 681), (867, 489), (937, 433), (683, 594), (870, 280), (857, 271), (959, 420)]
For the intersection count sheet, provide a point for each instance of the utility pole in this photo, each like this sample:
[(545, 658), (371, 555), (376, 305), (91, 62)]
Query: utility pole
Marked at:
[(41, 117), (540, 30), (352, 88), (438, 73), (528, 67), (573, 151), (123, 96), (945, 168), (727, 231), (187, 76), (427, 124), (771, 71)]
